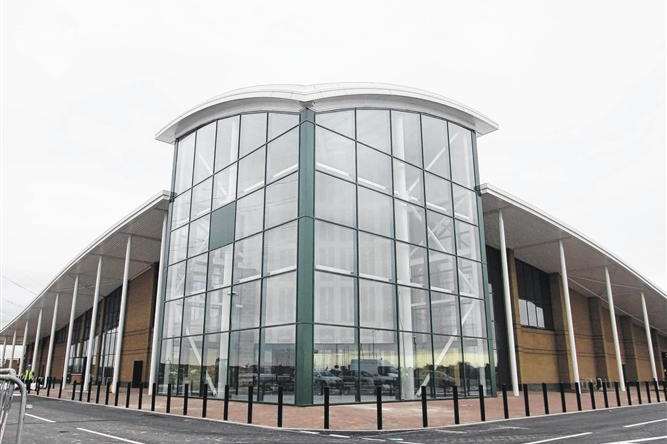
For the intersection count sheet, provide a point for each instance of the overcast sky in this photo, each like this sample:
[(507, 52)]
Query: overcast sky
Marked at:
[(578, 89)]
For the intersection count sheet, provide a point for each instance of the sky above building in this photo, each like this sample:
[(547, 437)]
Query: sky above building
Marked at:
[(578, 89)]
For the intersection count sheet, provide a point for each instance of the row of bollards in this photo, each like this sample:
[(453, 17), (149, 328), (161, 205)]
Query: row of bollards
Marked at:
[(50, 384)]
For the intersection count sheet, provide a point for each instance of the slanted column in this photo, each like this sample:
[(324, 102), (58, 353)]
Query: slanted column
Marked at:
[(568, 314), (25, 344), (93, 319), (614, 331), (155, 342), (649, 340), (121, 316), (4, 347), (507, 298), (11, 357), (35, 349), (49, 355), (70, 326)]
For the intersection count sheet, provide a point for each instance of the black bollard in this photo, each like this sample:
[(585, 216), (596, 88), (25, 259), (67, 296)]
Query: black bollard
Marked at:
[(577, 391), (73, 390), (326, 407), (506, 410), (591, 391), (618, 395), (526, 401), (225, 404), (648, 392), (639, 392), (97, 393), (48, 386), (88, 394), (141, 395), (604, 395), (279, 419), (250, 400), (127, 395), (628, 386), (204, 401), (455, 398), (60, 389), (106, 393), (545, 396), (424, 407), (37, 387), (81, 392), (186, 395), (169, 398), (153, 395), (563, 404), (482, 407), (378, 400), (657, 391), (664, 389), (116, 394)]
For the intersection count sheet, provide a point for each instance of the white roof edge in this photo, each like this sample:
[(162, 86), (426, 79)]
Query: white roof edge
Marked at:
[(306, 93), (487, 188), (146, 206)]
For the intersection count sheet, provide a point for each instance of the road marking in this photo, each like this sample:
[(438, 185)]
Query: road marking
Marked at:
[(109, 436), (559, 438), (338, 436), (373, 439), (643, 423), (655, 438), (310, 432), (39, 417)]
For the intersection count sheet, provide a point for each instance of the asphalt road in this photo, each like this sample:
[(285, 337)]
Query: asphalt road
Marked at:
[(53, 421)]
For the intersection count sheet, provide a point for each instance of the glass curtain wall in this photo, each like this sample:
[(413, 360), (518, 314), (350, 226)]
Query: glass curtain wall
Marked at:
[(230, 294), (398, 298)]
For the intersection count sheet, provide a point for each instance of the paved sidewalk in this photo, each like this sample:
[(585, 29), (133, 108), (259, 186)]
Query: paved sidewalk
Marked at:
[(396, 415)]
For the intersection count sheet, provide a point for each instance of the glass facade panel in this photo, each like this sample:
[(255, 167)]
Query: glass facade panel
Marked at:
[(445, 313), (334, 299), (470, 278), (335, 364), (281, 201), (410, 223), (173, 317), (277, 365), (377, 305), (215, 363), (251, 173), (436, 148), (334, 248), (378, 363), (376, 257), (184, 163), (463, 166), (467, 240), (440, 232), (411, 264), (406, 137), (447, 365), (442, 272), (373, 128), (227, 142), (282, 156), (438, 194), (201, 198), (243, 361), (204, 152), (218, 306), (414, 312), (180, 210), (340, 121), (175, 281), (253, 132), (220, 267), (249, 214), (416, 364), (477, 370), (222, 226), (279, 300), (193, 315), (195, 278), (245, 305), (408, 183), (334, 200), (473, 318), (178, 246), (465, 204), (280, 123), (198, 240), (375, 212), (248, 259), (168, 371), (280, 249), (374, 169), (224, 187), (334, 154)]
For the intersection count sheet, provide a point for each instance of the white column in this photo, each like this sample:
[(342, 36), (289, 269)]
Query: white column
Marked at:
[(4, 347), (649, 341), (72, 310), (49, 355), (509, 320), (25, 343), (568, 313), (93, 319), (614, 331), (35, 349), (155, 343), (11, 358), (121, 316)]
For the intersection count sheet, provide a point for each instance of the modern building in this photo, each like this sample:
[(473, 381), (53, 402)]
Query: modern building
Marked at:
[(338, 236)]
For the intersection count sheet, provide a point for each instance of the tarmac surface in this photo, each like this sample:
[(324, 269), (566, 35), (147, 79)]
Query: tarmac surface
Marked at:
[(60, 421)]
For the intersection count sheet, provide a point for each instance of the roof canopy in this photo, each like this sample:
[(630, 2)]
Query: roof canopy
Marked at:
[(145, 226), (286, 97), (534, 236)]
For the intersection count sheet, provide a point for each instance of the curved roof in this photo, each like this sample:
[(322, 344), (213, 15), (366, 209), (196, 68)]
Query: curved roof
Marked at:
[(318, 92), (144, 224), (534, 236)]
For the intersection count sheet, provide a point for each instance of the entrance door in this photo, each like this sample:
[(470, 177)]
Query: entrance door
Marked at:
[(137, 372)]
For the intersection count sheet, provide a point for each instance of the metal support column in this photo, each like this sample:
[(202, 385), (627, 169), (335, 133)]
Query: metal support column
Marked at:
[(35, 348), (509, 320), (25, 343), (568, 313), (72, 310), (649, 341), (121, 316), (155, 342), (49, 355), (93, 319), (4, 347), (11, 357), (614, 331)]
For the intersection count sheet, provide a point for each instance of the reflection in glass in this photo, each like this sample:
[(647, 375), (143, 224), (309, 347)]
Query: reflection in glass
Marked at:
[(215, 363), (282, 156), (334, 199), (463, 166), (334, 154), (373, 128), (184, 163), (436, 152), (374, 169), (376, 257), (411, 264), (218, 310), (375, 212), (335, 364), (410, 223), (201, 198), (442, 271), (280, 249), (279, 300), (251, 173), (477, 369), (249, 214), (248, 259), (378, 350), (227, 142), (413, 310), (204, 152), (277, 363), (195, 279), (447, 364), (224, 187), (245, 305), (243, 354), (334, 299), (377, 304), (440, 232), (281, 201), (220, 267), (253, 132), (416, 364), (408, 183), (169, 363), (334, 248)]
